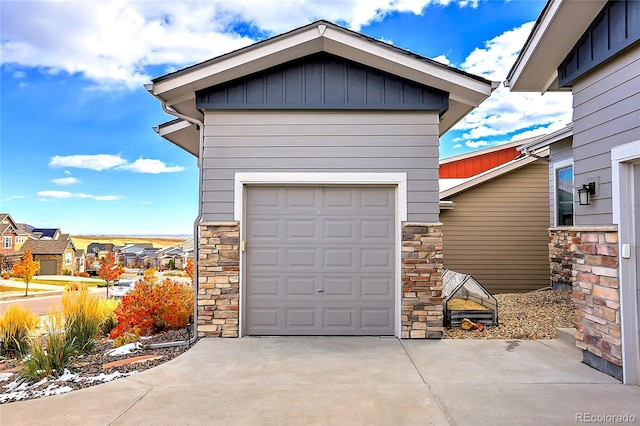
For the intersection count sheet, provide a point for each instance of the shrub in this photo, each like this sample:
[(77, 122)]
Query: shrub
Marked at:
[(6, 276), (84, 274), (66, 272), (50, 354), (83, 318), (150, 308), (16, 324), (125, 339), (109, 320)]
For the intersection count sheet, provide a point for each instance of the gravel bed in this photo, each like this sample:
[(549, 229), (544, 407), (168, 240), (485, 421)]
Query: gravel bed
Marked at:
[(87, 370), (525, 316)]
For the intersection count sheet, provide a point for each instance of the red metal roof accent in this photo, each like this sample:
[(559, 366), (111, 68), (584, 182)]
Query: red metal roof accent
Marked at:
[(468, 167)]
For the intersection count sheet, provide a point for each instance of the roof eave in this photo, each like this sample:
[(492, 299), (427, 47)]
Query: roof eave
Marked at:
[(557, 30)]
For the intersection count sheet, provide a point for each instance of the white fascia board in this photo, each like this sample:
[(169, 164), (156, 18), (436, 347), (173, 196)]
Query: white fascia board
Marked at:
[(556, 32), (313, 178), (174, 127), (249, 60), (488, 175), (461, 87), (546, 140)]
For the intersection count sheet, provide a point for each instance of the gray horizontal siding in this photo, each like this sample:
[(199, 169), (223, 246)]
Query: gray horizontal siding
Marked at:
[(606, 114), (322, 81), (330, 142)]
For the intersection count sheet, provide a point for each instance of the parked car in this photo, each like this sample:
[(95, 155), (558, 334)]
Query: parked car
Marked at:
[(122, 287)]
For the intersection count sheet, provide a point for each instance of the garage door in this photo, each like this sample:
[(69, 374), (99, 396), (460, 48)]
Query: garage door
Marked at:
[(320, 260), (48, 267)]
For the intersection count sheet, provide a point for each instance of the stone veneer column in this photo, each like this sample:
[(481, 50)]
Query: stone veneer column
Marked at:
[(561, 258), (422, 305), (597, 297), (218, 279)]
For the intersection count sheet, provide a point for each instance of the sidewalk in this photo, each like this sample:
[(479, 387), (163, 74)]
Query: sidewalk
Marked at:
[(349, 381)]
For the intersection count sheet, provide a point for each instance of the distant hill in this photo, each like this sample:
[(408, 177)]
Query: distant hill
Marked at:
[(82, 241)]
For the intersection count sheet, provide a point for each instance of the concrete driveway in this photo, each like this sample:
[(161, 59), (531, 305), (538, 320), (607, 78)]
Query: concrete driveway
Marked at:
[(348, 381)]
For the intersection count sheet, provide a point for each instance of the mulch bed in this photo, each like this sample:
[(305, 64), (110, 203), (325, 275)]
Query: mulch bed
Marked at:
[(94, 368)]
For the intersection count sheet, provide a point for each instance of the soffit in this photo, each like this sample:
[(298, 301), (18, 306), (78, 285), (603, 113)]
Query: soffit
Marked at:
[(558, 29)]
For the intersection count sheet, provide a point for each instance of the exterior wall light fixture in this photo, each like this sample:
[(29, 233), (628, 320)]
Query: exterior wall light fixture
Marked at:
[(585, 193)]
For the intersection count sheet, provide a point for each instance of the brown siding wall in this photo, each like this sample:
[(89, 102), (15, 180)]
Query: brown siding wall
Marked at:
[(498, 231)]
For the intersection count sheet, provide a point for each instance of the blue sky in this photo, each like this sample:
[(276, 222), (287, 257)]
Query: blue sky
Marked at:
[(77, 149)]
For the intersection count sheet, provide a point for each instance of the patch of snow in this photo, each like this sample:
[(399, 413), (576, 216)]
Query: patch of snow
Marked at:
[(103, 378), (67, 375), (5, 376), (125, 349)]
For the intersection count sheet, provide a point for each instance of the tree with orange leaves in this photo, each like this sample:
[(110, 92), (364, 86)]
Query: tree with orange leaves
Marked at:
[(26, 269), (188, 270), (109, 270)]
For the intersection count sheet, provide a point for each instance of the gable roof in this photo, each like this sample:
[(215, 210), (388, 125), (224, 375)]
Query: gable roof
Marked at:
[(58, 246), (558, 28), (177, 89), (465, 184), (7, 224)]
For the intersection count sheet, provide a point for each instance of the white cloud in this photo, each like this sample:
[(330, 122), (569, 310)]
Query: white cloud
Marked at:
[(476, 144), (442, 59), (97, 162), (457, 146), (65, 181), (66, 195), (112, 43), (146, 165), (14, 197), (100, 162), (506, 112)]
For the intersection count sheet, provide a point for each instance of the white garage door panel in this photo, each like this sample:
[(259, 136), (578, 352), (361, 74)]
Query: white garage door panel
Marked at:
[(320, 260)]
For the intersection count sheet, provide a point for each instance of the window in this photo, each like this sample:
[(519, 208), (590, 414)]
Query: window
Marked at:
[(7, 242), (67, 258), (20, 239), (563, 189)]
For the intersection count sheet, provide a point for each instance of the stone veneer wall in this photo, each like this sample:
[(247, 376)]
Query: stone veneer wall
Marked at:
[(561, 258), (218, 279), (422, 305), (219, 272), (596, 294)]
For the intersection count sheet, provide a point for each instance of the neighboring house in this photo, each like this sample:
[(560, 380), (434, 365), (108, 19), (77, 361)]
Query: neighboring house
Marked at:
[(318, 196), (46, 233), (96, 251), (8, 232), (81, 261), (592, 49), (473, 163), (495, 223), (56, 256)]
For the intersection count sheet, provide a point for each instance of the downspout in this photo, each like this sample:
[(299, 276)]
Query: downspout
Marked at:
[(196, 230)]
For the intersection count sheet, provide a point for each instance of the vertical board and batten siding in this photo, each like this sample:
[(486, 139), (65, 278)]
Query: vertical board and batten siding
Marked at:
[(557, 152), (320, 142), (498, 231), (606, 113)]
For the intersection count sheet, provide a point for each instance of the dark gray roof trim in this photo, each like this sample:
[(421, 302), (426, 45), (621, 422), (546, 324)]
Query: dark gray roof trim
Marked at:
[(303, 28), (323, 81), (616, 28)]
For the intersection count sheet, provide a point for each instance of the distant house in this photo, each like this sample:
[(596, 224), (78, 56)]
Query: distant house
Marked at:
[(96, 251), (495, 223), (56, 256), (8, 232), (592, 50)]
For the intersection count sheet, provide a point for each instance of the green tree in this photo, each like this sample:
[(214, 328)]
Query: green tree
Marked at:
[(26, 269)]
